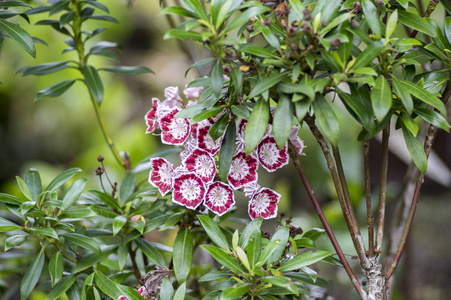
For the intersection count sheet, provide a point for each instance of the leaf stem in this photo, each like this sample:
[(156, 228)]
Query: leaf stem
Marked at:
[(297, 163), (133, 259), (369, 207), (382, 188), (348, 215)]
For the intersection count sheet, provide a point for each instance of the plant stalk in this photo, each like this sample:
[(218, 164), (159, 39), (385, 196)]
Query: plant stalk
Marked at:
[(369, 207)]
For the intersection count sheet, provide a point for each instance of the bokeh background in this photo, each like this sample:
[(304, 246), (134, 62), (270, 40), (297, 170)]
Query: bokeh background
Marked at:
[(54, 134)]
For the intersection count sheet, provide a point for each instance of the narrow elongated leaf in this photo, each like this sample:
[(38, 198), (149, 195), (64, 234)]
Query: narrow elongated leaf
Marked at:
[(105, 198), (367, 56), (177, 11), (18, 35), (227, 151), (61, 179), (248, 232), (183, 255), (268, 251), (55, 90), (282, 120), (67, 18), (448, 28), (104, 18), (352, 102), (391, 24), (253, 249), (44, 69), (403, 94), (326, 119), (122, 255), (93, 258), (213, 276), (32, 275), (167, 290), (213, 231), (56, 267), (433, 118), (291, 88), (129, 293), (245, 17), (44, 231), (13, 4), (107, 286), (58, 6), (24, 188), (196, 7), (94, 83), (84, 242), (216, 78), (118, 223), (61, 287), (223, 257), (372, 17), (128, 70), (416, 150), (282, 235), (152, 253), (127, 187), (266, 83), (183, 35), (257, 51), (381, 98), (256, 127), (34, 184), (235, 292), (9, 199), (14, 241), (303, 260), (98, 5), (6, 225), (410, 124), (416, 22), (424, 95), (74, 193), (180, 293)]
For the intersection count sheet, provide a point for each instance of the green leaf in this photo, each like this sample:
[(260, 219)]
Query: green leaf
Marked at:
[(13, 4), (93, 258), (44, 231), (127, 187), (257, 125), (61, 179), (223, 257), (207, 113), (9, 199), (282, 235), (104, 18), (122, 255), (129, 293), (94, 83), (172, 220), (24, 188), (44, 69), (227, 151), (214, 232), (55, 90), (265, 84), (248, 232), (448, 27), (14, 241), (61, 287), (403, 94), (106, 285), (372, 17), (84, 242), (367, 56), (118, 223), (416, 22), (105, 198), (80, 213), (183, 255), (166, 290), (391, 24), (354, 103), (214, 276), (381, 98), (56, 267), (32, 275), (98, 5), (257, 51), (152, 253), (211, 296), (183, 35), (177, 11), (217, 129), (410, 123), (244, 17), (424, 95), (74, 193), (216, 79), (34, 184), (404, 3), (223, 11), (243, 258), (180, 293), (200, 63), (301, 108), (66, 18), (326, 119), (433, 118), (236, 291), (128, 70), (196, 7), (282, 120), (58, 7), (254, 247), (298, 8), (305, 243), (18, 35), (270, 37), (283, 282), (292, 88), (303, 260), (416, 150)]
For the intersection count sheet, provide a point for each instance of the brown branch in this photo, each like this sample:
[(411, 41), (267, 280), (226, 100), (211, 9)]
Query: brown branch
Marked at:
[(133, 259), (348, 215), (297, 163), (369, 207), (382, 188), (430, 9)]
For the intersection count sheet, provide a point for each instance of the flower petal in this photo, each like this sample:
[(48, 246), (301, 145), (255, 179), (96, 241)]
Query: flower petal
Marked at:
[(161, 174), (264, 204), (205, 141), (296, 141), (172, 93), (201, 163), (193, 92), (243, 170), (251, 188), (175, 131), (270, 156), (151, 116), (189, 190), (219, 198)]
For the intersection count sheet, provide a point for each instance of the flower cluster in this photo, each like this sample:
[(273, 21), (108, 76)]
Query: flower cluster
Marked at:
[(195, 182)]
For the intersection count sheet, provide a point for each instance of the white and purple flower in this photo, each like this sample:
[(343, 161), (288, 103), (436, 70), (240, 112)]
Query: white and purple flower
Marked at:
[(175, 131), (243, 170), (189, 190), (205, 141), (263, 204), (161, 174), (151, 116), (202, 164), (270, 156), (219, 198), (296, 141)]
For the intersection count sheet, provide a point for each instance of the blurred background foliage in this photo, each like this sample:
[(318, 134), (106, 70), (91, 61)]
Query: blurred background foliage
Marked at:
[(54, 134)]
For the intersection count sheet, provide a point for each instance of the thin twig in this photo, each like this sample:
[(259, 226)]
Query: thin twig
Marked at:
[(369, 207), (297, 163), (133, 259), (352, 225), (382, 188)]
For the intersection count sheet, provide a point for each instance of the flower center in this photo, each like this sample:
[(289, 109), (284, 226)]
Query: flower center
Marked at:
[(190, 189), (269, 153)]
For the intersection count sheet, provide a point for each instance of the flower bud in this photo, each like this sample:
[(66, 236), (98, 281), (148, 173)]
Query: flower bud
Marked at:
[(100, 158)]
